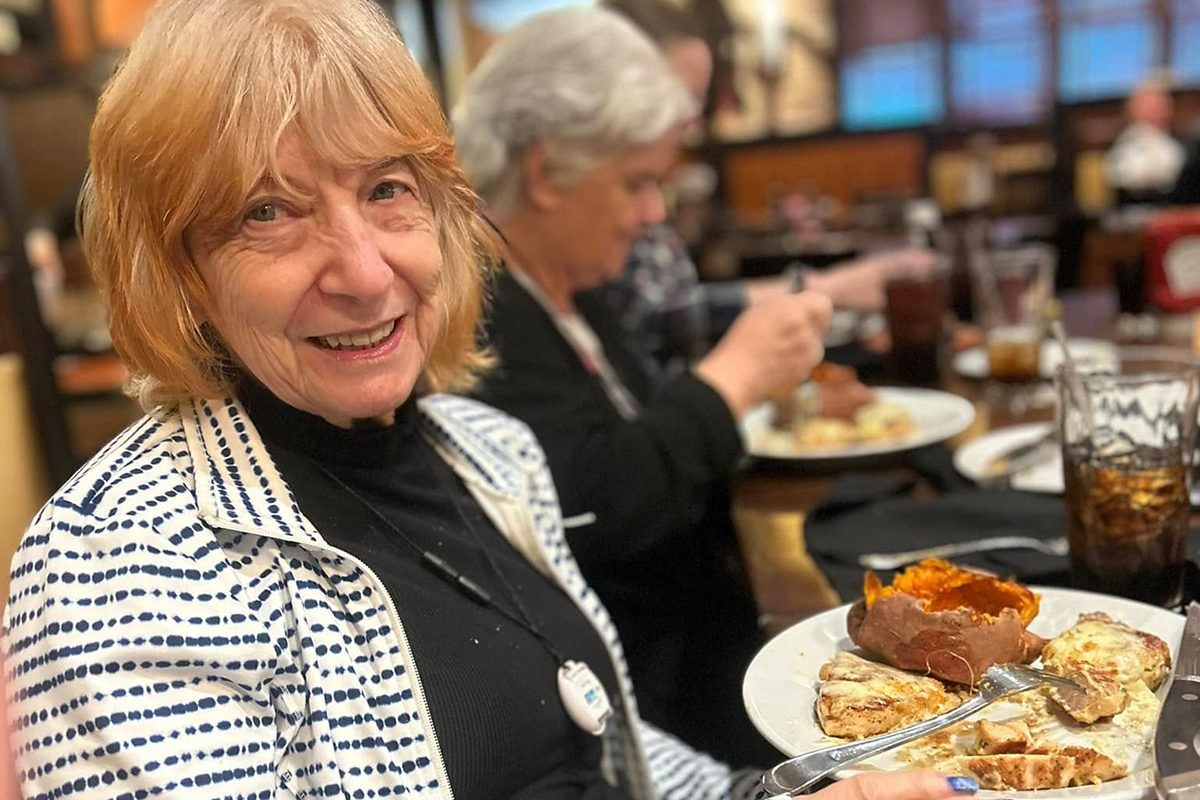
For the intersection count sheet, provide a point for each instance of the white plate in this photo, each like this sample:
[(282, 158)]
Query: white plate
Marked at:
[(972, 458), (937, 416), (1094, 353), (780, 687)]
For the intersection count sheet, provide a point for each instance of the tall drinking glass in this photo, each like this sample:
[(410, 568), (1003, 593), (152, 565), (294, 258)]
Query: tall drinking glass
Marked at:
[(1013, 288), (1128, 479), (916, 311)]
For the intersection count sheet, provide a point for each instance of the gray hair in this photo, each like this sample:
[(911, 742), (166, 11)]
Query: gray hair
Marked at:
[(581, 80)]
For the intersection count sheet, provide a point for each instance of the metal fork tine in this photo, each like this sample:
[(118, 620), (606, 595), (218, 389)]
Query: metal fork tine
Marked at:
[(1043, 677)]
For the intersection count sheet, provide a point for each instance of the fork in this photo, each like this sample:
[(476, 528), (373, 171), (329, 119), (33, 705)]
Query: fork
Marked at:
[(793, 776), (1051, 547)]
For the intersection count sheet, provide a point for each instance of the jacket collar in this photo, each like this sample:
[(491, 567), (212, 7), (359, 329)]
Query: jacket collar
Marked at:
[(238, 486)]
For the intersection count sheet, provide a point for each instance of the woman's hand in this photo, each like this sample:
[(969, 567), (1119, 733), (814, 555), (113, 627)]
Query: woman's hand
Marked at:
[(898, 786), (859, 284), (772, 345)]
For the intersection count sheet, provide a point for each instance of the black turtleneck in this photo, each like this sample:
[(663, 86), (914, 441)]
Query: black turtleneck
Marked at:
[(491, 686)]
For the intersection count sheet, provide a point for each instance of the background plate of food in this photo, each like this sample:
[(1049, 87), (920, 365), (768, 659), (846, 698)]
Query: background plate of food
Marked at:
[(834, 417), (786, 690)]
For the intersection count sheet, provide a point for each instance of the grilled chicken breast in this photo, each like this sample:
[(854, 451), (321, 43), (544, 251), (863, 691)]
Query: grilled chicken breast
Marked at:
[(859, 698)]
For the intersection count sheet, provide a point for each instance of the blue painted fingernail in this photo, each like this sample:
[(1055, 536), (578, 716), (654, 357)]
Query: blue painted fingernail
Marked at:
[(962, 785)]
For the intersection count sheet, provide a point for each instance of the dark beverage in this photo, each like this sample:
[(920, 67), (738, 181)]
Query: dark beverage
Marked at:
[(915, 362), (1127, 523), (1013, 360), (916, 308), (1012, 290)]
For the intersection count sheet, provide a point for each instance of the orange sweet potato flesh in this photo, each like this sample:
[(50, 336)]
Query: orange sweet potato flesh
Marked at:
[(943, 620), (945, 587)]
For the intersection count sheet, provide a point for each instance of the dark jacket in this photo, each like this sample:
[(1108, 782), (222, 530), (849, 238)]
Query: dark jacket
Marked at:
[(661, 552)]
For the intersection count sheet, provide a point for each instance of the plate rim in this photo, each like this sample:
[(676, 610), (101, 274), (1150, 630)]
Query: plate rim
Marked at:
[(1139, 790), (860, 450)]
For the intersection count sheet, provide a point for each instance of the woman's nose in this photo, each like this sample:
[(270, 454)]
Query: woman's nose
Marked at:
[(654, 210), (356, 264)]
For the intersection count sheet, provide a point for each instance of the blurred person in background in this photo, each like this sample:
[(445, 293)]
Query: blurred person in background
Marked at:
[(307, 573), (1144, 162), (1186, 191), (566, 128), (672, 318)]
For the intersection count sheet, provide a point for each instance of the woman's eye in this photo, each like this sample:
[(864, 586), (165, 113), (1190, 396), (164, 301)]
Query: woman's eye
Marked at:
[(388, 190), (263, 212)]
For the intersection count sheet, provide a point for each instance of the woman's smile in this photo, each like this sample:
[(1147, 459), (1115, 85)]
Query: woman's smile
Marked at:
[(363, 343)]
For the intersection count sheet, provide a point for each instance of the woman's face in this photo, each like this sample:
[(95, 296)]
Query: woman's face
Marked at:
[(599, 218), (329, 296)]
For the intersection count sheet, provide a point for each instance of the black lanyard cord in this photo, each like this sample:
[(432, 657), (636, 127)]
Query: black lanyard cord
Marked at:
[(443, 569)]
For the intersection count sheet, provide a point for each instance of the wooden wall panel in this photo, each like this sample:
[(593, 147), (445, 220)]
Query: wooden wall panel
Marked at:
[(845, 168)]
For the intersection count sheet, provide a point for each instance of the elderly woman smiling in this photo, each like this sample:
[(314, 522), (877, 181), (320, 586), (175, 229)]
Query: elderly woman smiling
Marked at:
[(306, 573)]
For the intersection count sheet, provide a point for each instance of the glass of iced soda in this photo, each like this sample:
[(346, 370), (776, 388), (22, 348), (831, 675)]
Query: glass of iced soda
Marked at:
[(1127, 465)]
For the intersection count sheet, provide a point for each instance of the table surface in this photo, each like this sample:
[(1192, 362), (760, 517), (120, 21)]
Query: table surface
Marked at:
[(770, 503)]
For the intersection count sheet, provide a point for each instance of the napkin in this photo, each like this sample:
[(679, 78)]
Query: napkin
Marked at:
[(867, 515), (850, 523)]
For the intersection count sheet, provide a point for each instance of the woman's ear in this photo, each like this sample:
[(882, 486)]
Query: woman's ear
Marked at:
[(540, 191), (193, 290)]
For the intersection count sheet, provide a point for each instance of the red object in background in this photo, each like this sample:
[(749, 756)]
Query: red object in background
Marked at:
[(1172, 248)]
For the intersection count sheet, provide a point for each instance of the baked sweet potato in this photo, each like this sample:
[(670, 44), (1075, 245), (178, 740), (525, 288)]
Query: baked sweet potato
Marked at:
[(945, 621)]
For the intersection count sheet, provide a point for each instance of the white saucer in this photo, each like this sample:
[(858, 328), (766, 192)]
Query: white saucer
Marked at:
[(1045, 477)]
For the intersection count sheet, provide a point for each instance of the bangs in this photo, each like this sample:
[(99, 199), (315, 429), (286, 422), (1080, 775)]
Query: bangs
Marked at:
[(346, 114)]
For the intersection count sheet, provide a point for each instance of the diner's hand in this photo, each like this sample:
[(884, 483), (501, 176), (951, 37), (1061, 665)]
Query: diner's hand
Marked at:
[(859, 284), (771, 345), (917, 785)]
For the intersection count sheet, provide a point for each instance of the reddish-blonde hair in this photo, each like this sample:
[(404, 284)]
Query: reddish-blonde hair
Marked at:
[(192, 120)]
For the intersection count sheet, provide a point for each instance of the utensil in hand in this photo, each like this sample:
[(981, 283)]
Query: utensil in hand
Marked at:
[(1176, 761), (1051, 547), (793, 776), (792, 405)]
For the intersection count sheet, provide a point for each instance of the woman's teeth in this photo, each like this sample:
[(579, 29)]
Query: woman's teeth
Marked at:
[(358, 341)]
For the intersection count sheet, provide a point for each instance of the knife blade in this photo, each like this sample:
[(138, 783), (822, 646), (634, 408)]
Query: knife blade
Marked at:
[(1176, 760)]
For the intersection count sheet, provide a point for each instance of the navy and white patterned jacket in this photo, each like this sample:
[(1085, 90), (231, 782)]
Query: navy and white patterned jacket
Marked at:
[(177, 628)]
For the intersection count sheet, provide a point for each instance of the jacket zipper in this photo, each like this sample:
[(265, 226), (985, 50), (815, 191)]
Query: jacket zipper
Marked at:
[(439, 762)]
